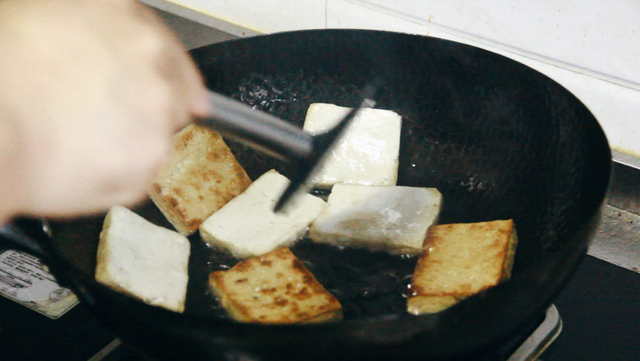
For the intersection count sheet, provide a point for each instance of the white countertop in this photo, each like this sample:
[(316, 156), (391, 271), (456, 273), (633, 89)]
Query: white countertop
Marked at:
[(590, 47)]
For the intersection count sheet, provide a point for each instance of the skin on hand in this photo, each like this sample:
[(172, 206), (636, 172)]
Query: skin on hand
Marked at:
[(91, 93)]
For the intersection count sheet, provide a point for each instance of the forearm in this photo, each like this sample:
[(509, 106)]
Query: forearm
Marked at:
[(91, 93)]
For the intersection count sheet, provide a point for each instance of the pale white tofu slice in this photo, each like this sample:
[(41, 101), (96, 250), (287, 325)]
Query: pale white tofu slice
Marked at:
[(368, 152), (247, 225), (143, 260), (390, 218)]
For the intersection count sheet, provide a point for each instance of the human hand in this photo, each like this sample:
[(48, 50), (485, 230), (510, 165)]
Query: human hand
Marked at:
[(91, 93)]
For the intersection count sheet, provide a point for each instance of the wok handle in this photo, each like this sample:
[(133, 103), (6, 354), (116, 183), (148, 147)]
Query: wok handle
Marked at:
[(257, 129), (26, 235), (33, 236)]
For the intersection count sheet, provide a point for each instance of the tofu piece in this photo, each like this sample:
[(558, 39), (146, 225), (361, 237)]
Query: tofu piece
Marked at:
[(247, 225), (389, 218), (459, 260), (143, 260), (368, 152), (200, 177), (274, 288)]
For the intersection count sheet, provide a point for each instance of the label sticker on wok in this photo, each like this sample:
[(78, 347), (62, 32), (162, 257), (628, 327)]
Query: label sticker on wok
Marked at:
[(25, 280)]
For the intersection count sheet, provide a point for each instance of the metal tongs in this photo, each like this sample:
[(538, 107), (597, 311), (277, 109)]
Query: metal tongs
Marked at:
[(278, 138)]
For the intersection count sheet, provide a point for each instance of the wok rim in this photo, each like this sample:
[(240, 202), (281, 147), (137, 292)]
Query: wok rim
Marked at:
[(220, 323)]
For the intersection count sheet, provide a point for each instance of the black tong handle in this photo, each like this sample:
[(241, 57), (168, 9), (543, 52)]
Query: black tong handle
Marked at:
[(278, 138), (258, 129)]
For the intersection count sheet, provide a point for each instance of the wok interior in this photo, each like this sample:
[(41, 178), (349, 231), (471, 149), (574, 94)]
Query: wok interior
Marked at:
[(497, 139)]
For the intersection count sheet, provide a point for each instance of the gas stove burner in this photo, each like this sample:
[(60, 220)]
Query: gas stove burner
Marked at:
[(541, 338)]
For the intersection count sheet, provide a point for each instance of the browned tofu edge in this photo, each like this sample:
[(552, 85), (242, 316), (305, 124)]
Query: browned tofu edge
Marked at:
[(239, 312), (170, 207), (436, 302)]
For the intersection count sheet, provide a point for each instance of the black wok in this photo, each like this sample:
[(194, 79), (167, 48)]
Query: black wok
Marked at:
[(498, 139)]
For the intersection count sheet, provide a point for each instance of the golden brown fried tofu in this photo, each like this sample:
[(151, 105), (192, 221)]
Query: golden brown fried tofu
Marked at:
[(275, 288), (459, 260), (200, 177)]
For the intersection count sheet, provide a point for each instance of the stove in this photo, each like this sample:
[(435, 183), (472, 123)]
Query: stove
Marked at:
[(595, 317), (536, 340)]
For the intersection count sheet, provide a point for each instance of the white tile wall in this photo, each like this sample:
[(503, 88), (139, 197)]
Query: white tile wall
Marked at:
[(600, 38), (259, 16)]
